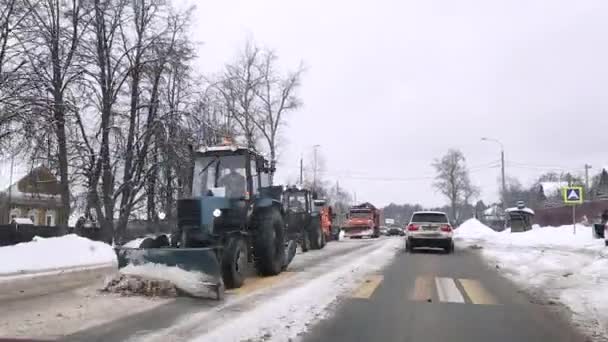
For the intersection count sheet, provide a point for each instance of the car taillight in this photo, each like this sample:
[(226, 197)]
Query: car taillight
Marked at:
[(413, 227), (446, 228)]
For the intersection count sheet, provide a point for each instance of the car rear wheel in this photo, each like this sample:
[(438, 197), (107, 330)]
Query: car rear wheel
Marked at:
[(408, 246), (450, 248)]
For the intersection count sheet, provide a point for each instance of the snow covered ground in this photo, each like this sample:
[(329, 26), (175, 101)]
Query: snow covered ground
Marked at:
[(47, 254), (551, 261)]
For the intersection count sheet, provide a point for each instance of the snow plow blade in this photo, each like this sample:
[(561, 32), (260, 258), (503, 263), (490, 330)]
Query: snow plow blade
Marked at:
[(195, 260)]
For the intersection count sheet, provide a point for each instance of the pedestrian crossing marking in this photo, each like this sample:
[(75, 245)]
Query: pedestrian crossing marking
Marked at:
[(368, 287), (423, 289), (477, 293), (258, 283), (447, 291)]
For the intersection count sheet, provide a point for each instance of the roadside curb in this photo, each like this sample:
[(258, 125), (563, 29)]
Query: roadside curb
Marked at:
[(54, 271)]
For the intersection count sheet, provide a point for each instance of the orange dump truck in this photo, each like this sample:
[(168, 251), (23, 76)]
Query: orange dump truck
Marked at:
[(363, 221)]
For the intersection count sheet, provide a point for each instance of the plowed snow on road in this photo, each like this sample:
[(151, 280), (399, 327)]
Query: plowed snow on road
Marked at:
[(286, 309)]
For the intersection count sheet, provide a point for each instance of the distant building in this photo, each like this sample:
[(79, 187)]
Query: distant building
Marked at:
[(602, 187), (34, 196)]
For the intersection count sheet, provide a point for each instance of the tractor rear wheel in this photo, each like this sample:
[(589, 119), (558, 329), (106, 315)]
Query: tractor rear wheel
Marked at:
[(234, 262), (269, 242)]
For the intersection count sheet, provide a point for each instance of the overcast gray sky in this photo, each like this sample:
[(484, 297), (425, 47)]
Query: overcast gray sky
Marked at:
[(391, 85)]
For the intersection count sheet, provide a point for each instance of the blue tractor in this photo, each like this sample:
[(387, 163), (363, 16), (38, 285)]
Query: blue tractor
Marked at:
[(233, 223)]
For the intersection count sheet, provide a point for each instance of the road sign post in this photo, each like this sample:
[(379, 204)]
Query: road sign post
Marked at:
[(573, 195)]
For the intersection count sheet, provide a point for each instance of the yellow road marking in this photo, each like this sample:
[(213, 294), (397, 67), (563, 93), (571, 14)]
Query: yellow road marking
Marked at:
[(423, 289), (257, 283), (477, 293), (368, 287)]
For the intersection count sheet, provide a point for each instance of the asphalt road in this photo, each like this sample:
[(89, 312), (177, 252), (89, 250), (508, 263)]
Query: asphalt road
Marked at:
[(429, 296)]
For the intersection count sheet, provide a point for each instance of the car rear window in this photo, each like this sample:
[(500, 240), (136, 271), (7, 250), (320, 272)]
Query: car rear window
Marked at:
[(430, 217)]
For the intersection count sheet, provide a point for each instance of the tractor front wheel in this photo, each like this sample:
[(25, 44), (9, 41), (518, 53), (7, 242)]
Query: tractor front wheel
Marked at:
[(234, 262)]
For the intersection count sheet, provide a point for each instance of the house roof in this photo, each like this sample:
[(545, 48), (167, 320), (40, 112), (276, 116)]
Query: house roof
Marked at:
[(22, 220), (515, 209), (553, 188)]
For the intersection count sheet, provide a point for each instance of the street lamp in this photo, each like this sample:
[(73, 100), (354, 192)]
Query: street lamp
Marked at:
[(502, 165)]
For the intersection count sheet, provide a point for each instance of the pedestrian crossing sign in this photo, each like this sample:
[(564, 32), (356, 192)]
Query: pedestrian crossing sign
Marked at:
[(573, 194)]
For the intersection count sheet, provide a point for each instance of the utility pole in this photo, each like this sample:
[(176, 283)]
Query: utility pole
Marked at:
[(10, 186), (314, 173), (587, 167), (502, 169)]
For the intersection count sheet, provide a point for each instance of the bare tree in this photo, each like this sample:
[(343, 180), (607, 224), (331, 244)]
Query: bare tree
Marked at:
[(13, 78), (452, 180), (109, 73), (277, 97), (238, 86), (50, 44)]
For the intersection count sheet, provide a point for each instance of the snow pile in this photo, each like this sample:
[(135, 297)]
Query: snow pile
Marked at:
[(196, 284), (129, 285), (473, 229), (54, 253), (283, 318)]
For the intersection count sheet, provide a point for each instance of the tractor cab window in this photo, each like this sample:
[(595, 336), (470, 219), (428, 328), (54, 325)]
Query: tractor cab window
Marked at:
[(221, 176), (296, 202)]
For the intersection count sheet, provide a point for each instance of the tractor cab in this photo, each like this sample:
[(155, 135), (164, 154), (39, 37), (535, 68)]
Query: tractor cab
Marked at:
[(226, 181), (230, 172)]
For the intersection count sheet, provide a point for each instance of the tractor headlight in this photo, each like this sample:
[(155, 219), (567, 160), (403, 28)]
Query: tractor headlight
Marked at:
[(217, 213)]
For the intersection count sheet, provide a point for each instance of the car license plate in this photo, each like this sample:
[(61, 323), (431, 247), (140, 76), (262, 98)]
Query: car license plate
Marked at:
[(428, 228)]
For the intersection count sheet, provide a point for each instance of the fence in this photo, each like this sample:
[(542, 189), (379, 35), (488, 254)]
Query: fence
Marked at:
[(11, 234), (558, 216)]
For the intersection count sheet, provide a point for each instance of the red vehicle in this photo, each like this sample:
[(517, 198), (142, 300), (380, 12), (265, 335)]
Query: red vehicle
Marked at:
[(363, 221)]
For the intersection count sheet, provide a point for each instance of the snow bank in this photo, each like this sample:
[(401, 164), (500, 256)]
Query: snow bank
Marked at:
[(286, 316), (53, 253), (193, 283), (562, 236), (554, 236)]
